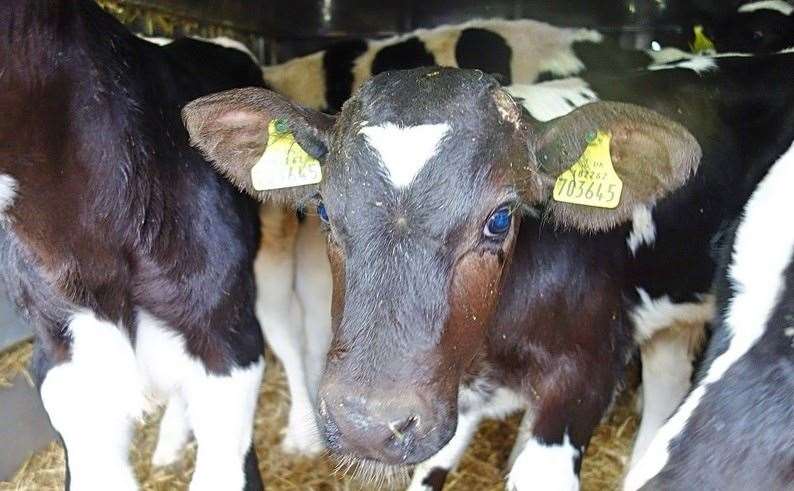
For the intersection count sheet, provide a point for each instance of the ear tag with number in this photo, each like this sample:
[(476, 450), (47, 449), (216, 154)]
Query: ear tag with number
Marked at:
[(284, 164), (702, 44), (591, 181)]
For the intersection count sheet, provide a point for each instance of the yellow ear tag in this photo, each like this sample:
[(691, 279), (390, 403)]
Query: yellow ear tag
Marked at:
[(284, 164), (702, 43), (591, 181)]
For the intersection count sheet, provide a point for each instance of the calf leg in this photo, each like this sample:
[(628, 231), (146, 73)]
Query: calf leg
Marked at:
[(174, 432), (93, 400), (563, 424), (667, 360), (221, 413), (279, 313)]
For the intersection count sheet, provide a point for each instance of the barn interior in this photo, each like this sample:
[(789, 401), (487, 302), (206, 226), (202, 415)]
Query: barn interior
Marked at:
[(276, 32)]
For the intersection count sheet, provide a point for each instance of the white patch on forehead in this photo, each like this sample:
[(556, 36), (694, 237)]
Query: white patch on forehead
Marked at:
[(643, 230), (697, 64), (779, 5), (8, 191), (761, 254), (549, 100), (404, 151)]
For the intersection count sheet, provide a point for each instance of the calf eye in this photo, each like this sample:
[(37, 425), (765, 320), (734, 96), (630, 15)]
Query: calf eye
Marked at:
[(321, 212), (498, 223)]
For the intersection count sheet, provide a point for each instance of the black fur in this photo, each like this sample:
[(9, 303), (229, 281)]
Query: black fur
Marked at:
[(115, 211), (409, 53), (487, 51)]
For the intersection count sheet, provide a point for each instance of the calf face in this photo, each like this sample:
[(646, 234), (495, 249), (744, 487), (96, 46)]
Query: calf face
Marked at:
[(426, 174)]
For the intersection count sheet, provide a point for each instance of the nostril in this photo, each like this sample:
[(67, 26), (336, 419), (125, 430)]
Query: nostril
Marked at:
[(403, 432)]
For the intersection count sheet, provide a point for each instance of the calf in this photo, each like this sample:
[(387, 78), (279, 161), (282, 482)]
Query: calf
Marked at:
[(418, 267), (734, 431), (517, 51), (459, 286), (130, 256)]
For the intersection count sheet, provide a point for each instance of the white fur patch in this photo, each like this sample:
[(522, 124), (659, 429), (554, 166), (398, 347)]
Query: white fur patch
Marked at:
[(93, 401), (405, 151), (555, 98), (220, 409), (159, 41), (174, 432), (784, 8), (652, 315), (698, 64), (541, 466), (228, 42), (8, 191), (643, 230), (761, 253)]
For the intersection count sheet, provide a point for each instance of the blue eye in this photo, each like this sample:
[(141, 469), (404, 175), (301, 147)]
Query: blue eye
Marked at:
[(321, 211), (499, 223)]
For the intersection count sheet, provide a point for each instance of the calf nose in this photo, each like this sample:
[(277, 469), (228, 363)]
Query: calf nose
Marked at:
[(390, 430)]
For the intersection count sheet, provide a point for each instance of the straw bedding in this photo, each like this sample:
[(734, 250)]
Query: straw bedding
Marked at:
[(481, 469)]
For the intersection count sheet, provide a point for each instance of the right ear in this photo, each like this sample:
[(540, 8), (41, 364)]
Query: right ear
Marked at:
[(231, 130)]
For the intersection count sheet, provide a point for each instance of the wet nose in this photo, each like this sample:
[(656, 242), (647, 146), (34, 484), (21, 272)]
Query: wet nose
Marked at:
[(393, 429)]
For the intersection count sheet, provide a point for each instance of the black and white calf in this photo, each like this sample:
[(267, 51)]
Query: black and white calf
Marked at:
[(735, 430), (132, 259), (425, 321), (460, 287), (518, 51)]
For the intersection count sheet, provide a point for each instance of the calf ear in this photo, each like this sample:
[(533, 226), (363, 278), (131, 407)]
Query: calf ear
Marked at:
[(231, 129), (650, 155)]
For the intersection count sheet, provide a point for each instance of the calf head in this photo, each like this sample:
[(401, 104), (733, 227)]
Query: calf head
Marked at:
[(426, 174)]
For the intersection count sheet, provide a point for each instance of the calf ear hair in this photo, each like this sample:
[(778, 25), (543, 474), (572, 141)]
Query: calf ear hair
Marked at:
[(651, 154), (231, 130)]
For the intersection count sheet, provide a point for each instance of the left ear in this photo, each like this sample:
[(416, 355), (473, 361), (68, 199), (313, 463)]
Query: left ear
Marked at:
[(651, 154)]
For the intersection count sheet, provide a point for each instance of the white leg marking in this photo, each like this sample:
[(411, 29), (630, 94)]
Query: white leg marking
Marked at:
[(313, 285), (781, 6), (93, 401), (666, 373), (643, 231), (761, 253), (8, 191), (220, 409), (449, 456), (174, 432), (404, 151), (547, 467), (279, 312), (652, 315)]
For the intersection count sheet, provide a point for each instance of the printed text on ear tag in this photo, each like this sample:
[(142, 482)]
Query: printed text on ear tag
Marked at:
[(702, 44), (284, 164), (591, 181)]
